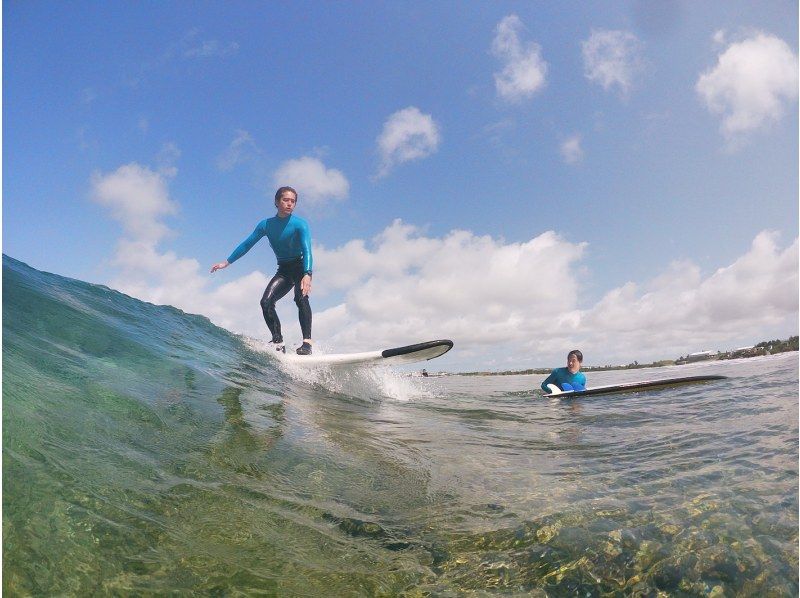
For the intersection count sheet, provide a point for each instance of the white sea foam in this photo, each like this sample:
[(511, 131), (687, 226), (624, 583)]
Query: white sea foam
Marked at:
[(366, 382)]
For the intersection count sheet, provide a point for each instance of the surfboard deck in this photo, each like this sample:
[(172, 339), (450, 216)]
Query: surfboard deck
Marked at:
[(634, 386), (394, 356)]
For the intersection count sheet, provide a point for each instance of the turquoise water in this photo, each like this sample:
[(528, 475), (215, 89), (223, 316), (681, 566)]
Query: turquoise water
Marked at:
[(146, 451)]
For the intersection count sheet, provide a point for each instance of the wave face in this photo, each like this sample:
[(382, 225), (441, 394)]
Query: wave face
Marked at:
[(147, 451)]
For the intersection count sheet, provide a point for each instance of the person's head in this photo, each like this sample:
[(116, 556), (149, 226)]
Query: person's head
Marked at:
[(574, 361), (285, 201)]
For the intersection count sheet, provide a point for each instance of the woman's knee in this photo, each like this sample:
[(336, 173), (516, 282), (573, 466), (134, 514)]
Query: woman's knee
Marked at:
[(267, 301)]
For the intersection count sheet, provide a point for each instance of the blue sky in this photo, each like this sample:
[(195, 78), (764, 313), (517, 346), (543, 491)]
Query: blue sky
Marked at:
[(522, 177)]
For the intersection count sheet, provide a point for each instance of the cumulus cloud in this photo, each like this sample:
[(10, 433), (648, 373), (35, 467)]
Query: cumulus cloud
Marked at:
[(138, 198), (571, 150), (612, 59), (524, 69), (475, 288), (407, 135), (313, 181), (751, 84), (680, 311)]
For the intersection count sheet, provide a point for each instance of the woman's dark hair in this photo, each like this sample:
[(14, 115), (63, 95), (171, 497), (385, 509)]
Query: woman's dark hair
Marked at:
[(578, 355), (280, 191)]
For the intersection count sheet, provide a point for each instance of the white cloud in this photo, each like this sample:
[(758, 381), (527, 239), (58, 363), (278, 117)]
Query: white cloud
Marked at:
[(161, 278), (751, 84), (242, 149), (524, 69), (474, 288), (407, 135), (138, 198), (504, 304), (680, 311), (571, 150), (313, 181), (612, 59)]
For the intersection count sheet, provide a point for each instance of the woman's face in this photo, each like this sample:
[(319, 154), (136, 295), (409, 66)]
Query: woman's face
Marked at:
[(286, 203)]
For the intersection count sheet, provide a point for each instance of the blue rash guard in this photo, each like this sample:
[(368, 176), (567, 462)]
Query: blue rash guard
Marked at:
[(560, 376), (289, 238)]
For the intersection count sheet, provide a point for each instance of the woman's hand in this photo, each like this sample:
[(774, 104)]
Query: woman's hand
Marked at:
[(305, 285), (219, 266)]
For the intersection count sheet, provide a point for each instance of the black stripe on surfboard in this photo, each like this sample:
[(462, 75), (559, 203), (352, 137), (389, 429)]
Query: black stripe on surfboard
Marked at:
[(636, 386), (418, 347)]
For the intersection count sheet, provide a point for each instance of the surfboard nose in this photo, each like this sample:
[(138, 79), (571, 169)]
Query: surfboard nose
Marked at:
[(422, 350)]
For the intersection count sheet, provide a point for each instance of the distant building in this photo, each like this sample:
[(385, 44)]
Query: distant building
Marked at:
[(748, 352), (701, 356)]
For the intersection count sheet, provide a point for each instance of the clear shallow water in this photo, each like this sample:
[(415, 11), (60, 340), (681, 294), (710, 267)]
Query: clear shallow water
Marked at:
[(146, 451)]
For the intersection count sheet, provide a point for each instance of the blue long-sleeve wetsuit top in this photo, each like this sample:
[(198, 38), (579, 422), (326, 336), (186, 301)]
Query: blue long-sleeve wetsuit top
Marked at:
[(561, 375), (289, 238)]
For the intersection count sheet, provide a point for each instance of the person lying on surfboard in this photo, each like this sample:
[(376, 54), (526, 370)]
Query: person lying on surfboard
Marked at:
[(290, 239), (570, 377)]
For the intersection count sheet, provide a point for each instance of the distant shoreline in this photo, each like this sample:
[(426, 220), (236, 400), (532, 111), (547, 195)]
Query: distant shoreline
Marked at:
[(763, 348)]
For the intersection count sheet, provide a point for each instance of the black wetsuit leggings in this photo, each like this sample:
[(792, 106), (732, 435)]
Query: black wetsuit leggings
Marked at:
[(289, 275)]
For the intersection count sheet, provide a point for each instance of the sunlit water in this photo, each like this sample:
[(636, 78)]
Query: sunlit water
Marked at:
[(146, 451)]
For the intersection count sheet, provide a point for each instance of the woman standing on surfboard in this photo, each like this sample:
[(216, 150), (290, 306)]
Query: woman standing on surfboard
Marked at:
[(290, 239)]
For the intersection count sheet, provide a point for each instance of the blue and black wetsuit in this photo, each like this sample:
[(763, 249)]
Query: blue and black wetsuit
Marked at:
[(561, 376), (290, 239)]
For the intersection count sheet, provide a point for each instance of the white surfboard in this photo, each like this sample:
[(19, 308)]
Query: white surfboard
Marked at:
[(395, 356), (555, 391)]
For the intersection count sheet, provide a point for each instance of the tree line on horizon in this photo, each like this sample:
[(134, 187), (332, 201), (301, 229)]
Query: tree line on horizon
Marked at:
[(763, 348)]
